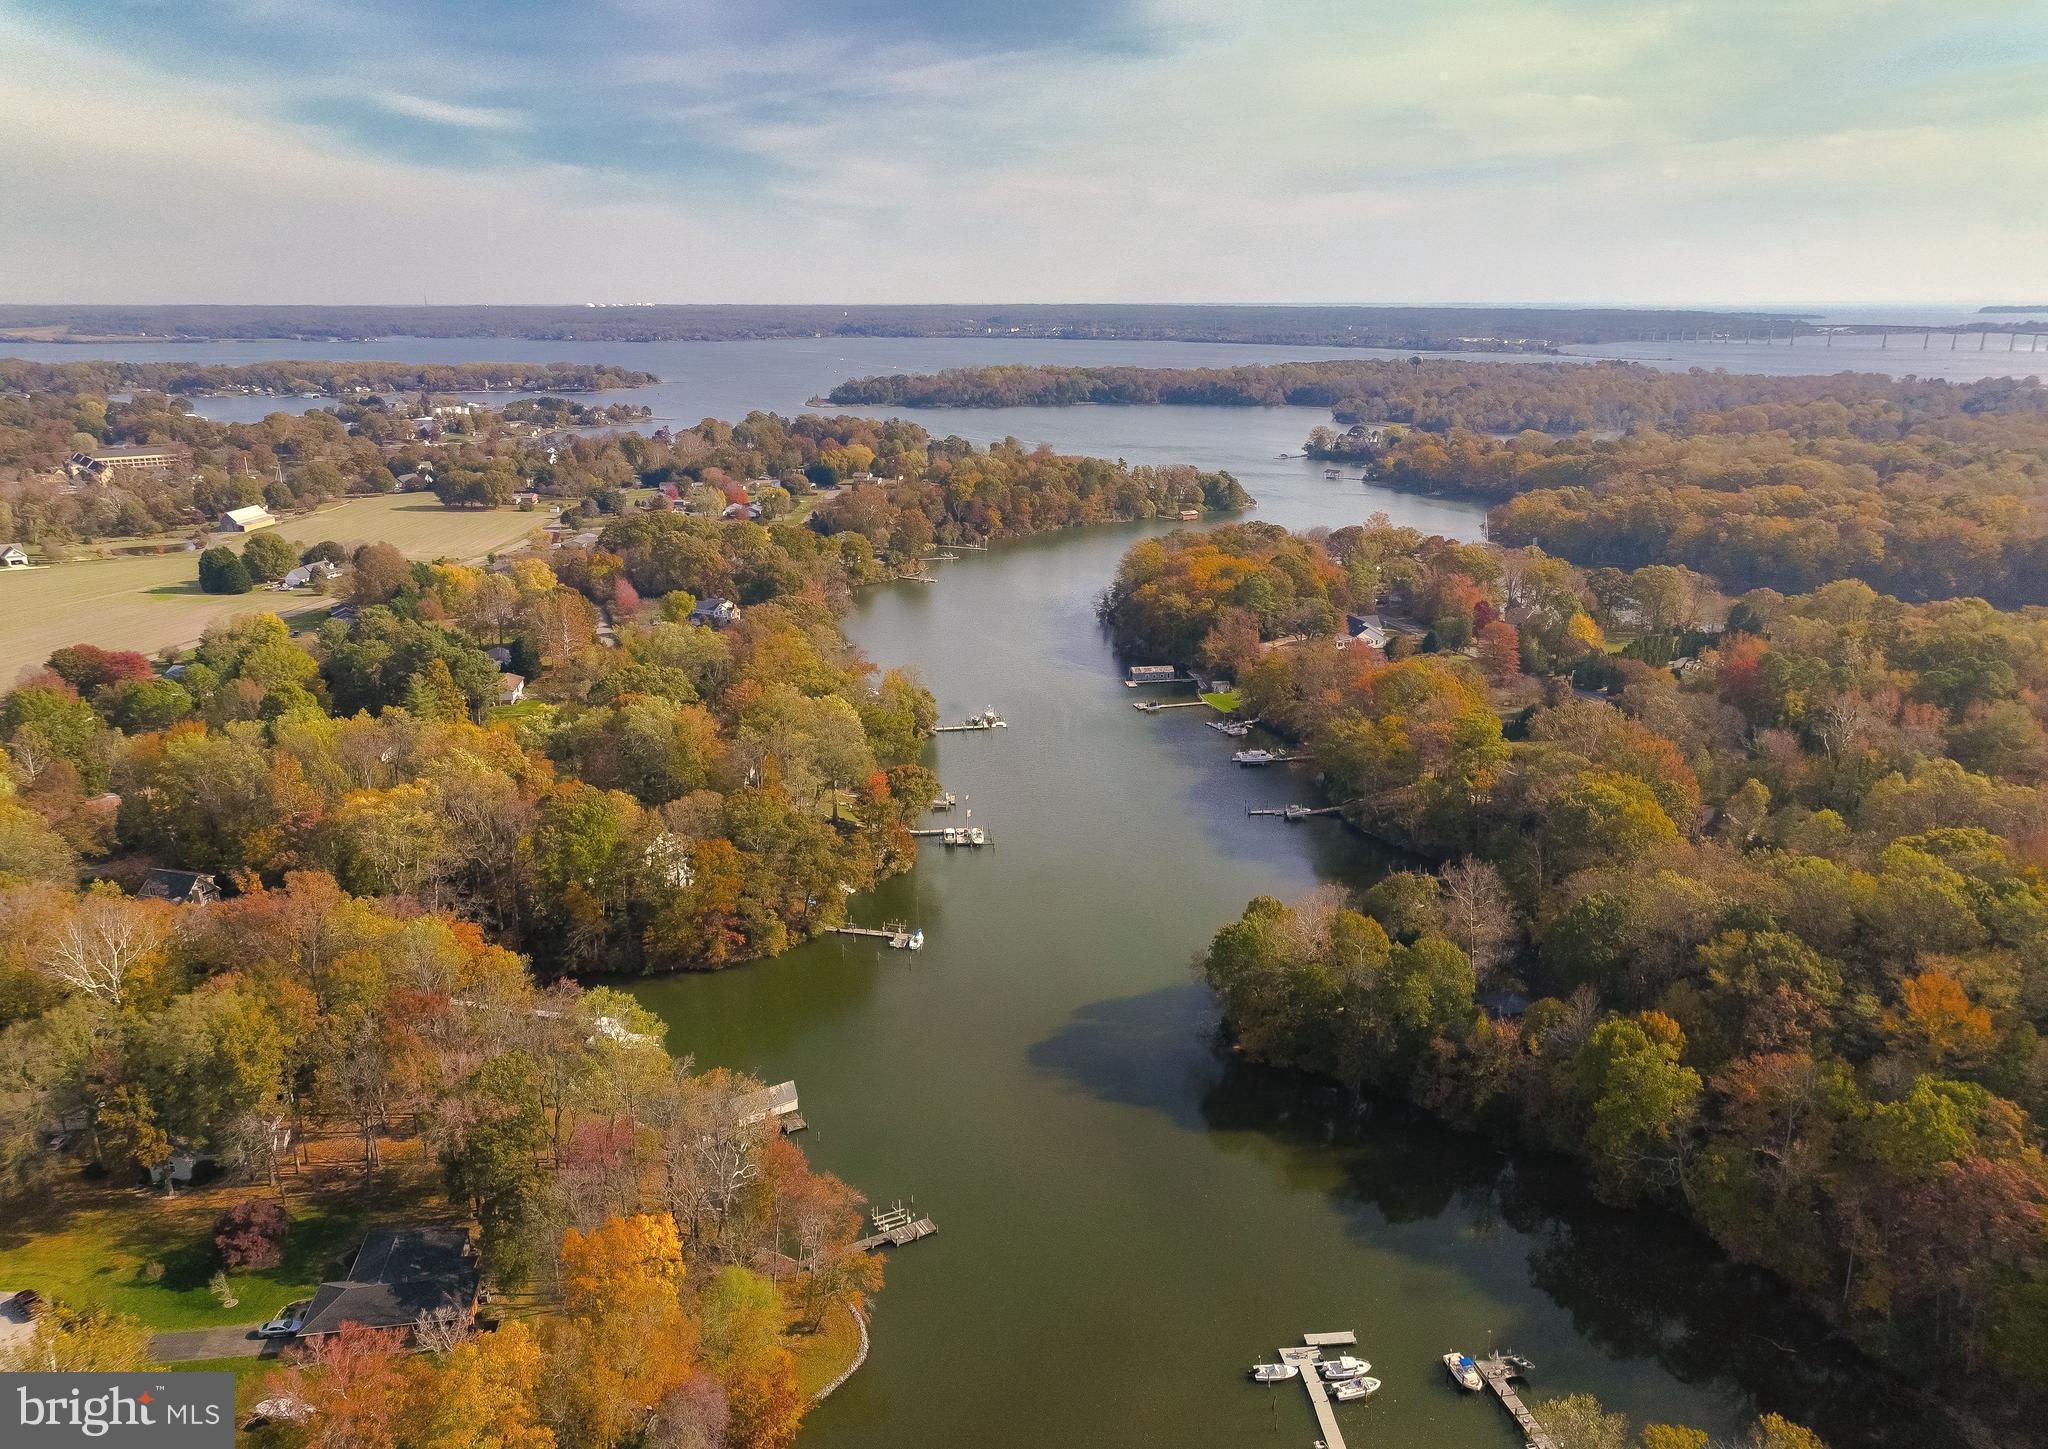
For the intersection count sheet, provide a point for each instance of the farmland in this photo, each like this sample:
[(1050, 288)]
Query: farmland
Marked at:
[(152, 601)]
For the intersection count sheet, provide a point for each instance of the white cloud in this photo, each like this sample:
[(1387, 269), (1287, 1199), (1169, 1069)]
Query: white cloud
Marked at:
[(450, 113), (1477, 151)]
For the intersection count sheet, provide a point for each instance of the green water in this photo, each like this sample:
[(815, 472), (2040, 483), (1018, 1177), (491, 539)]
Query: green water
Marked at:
[(1127, 1220)]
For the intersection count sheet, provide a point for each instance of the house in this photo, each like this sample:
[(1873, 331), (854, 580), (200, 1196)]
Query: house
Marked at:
[(499, 655), (1366, 629), (400, 1278), (246, 520), (180, 887), (749, 511), (526, 500), (304, 574), (13, 556), (511, 688), (716, 613)]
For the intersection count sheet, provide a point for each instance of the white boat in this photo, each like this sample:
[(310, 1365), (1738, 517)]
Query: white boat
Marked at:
[(1346, 1367), (917, 939), (1357, 1388), (1252, 757), (1273, 1373), (1464, 1371)]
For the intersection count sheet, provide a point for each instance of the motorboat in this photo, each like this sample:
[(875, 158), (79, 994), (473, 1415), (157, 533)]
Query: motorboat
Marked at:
[(1273, 1373), (1464, 1372), (917, 939), (1358, 1388), (1346, 1367), (1252, 757)]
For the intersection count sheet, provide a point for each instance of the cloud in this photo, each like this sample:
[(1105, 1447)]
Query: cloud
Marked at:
[(1359, 150), (450, 113)]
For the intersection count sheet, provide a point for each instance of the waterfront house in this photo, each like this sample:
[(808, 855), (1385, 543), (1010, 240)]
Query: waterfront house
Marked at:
[(180, 887), (13, 556), (246, 520), (401, 1277), (716, 613), (511, 688)]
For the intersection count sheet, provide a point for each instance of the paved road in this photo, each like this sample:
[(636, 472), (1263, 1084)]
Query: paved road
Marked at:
[(234, 1342)]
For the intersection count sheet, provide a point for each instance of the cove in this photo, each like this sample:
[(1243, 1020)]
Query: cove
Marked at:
[(1127, 1218)]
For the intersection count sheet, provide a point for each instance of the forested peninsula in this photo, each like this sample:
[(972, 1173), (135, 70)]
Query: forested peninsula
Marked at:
[(1923, 488), (1740, 901)]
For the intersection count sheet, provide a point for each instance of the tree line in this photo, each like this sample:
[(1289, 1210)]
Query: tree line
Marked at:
[(99, 377), (1764, 937)]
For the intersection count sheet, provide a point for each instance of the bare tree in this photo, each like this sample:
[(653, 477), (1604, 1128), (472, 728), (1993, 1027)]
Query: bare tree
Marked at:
[(1478, 915), (100, 945), (446, 1327)]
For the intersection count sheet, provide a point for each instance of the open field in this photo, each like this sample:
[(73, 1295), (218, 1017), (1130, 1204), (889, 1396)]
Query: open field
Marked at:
[(153, 601)]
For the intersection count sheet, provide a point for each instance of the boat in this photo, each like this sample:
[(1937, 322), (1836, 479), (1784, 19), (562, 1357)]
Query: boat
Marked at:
[(1297, 812), (1464, 1371), (917, 939), (1273, 1373), (1357, 1388), (1345, 1367), (1253, 757)]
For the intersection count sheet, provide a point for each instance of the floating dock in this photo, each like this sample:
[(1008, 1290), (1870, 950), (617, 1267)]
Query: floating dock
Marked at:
[(1291, 813), (988, 719), (1497, 1370), (894, 1227)]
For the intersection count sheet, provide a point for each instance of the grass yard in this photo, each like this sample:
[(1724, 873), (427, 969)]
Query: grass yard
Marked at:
[(823, 1356), (90, 1243), (1225, 701), (153, 601)]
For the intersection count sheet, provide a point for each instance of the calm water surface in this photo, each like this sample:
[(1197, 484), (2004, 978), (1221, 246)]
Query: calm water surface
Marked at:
[(1128, 1218)]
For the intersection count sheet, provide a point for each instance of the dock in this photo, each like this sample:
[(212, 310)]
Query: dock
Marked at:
[(972, 836), (1497, 1370), (1153, 706), (1296, 812), (1305, 1359), (898, 937), (896, 1227), (986, 720)]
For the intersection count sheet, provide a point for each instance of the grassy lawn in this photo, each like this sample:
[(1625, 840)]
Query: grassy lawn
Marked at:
[(151, 601), (89, 1243), (823, 1356), (1226, 701)]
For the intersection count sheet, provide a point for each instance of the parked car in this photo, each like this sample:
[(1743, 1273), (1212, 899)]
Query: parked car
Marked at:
[(289, 1320)]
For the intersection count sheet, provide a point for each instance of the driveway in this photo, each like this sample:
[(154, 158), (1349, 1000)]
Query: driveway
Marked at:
[(15, 1327), (237, 1342)]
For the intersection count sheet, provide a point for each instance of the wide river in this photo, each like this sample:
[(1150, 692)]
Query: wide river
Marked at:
[(1127, 1217)]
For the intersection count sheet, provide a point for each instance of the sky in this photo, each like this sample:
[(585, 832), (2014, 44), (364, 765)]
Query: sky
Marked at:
[(1627, 151)]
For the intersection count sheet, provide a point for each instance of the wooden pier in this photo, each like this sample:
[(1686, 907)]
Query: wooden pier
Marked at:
[(972, 836), (895, 1228), (1497, 1371), (897, 936), (1296, 812), (1305, 1360), (1153, 706)]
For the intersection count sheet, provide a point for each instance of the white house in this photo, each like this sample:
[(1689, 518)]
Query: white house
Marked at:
[(511, 688), (304, 574), (13, 556)]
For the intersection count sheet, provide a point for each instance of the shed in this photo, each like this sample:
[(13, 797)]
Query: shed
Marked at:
[(246, 520), (13, 556)]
